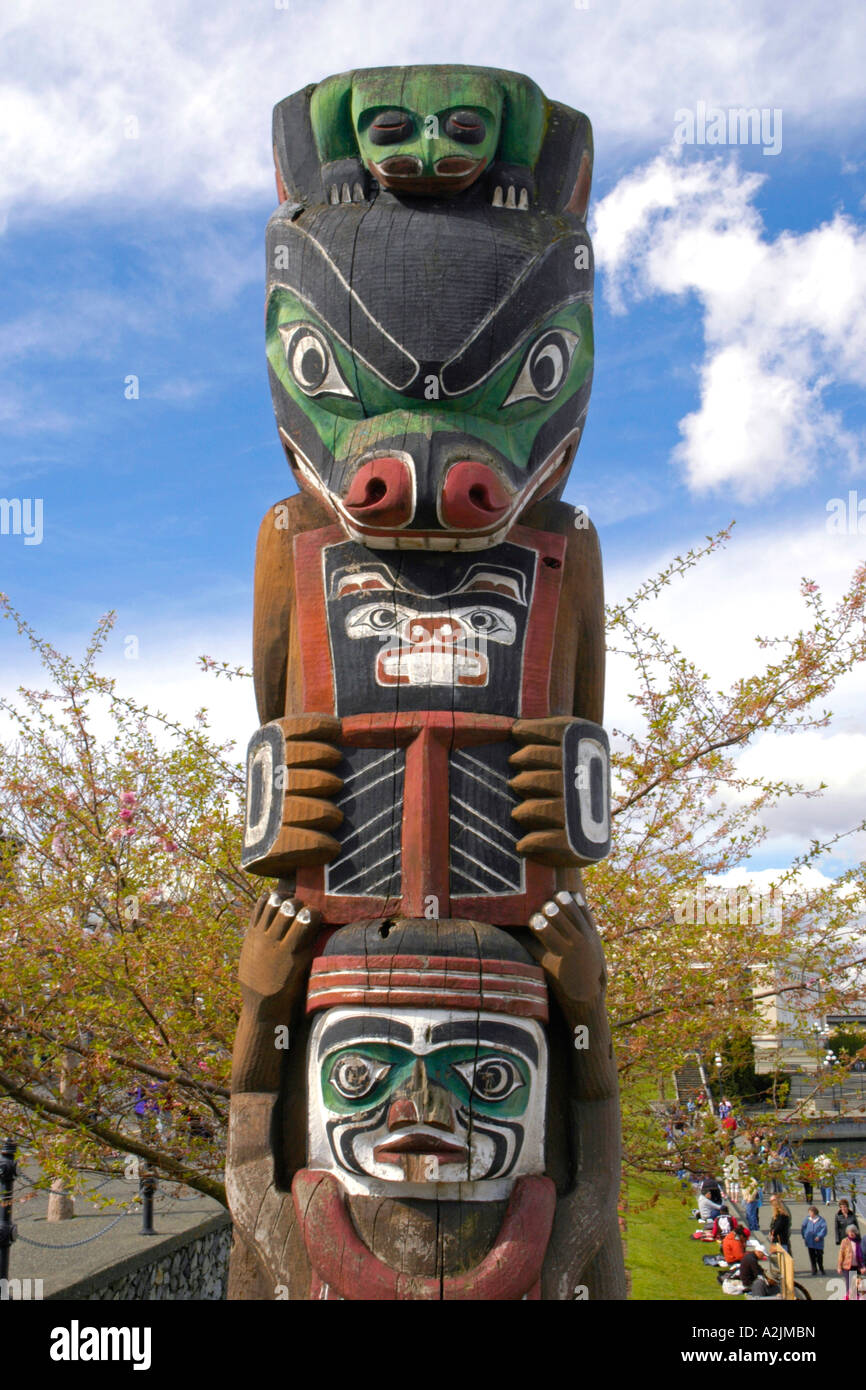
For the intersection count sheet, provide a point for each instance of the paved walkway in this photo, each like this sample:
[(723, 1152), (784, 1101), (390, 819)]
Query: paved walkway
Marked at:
[(830, 1287), (69, 1260)]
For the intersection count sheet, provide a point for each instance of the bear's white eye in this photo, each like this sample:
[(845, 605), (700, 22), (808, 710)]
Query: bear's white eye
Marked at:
[(545, 367), (311, 361)]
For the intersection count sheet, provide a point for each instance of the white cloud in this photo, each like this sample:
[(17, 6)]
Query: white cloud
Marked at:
[(713, 615), (783, 318), (193, 84)]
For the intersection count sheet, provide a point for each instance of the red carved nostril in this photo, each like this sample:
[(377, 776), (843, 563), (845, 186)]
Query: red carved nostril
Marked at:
[(473, 496), (380, 494), (402, 1112)]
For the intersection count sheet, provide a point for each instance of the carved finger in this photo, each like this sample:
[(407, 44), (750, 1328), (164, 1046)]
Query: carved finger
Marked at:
[(539, 815), (301, 727), (546, 931), (260, 912), (279, 908), (304, 754), (574, 907), (537, 783), (548, 847), (537, 755), (541, 730), (284, 918), (305, 929), (312, 781), (311, 813)]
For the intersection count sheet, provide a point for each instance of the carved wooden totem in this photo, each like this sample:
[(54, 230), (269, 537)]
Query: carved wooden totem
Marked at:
[(424, 1092)]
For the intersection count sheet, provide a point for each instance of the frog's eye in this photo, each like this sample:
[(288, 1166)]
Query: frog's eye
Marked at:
[(491, 1078), (354, 1076), (465, 126), (390, 128), (311, 362), (545, 367)]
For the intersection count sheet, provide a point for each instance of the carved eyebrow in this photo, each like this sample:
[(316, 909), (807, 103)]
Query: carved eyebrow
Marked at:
[(365, 1029), (506, 1034), (342, 312), (547, 285)]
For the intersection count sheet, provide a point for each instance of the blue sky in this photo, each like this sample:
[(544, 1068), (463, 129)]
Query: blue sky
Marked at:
[(730, 313)]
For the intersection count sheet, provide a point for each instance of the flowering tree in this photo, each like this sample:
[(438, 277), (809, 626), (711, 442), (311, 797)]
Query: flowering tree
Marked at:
[(123, 905), (690, 965), (122, 911)]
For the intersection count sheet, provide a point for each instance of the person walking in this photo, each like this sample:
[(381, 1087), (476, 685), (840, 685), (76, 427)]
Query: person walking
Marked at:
[(826, 1170), (780, 1226), (806, 1175), (731, 1172), (814, 1233), (775, 1163), (751, 1193), (846, 1216), (851, 1260)]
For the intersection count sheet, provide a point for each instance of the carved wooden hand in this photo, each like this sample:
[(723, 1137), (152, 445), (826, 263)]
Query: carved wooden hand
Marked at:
[(276, 955), (569, 948), (538, 779)]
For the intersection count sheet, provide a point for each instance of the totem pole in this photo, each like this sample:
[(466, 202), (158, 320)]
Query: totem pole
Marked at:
[(424, 1096)]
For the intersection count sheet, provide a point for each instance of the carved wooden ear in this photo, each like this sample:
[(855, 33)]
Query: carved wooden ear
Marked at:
[(282, 193), (579, 200)]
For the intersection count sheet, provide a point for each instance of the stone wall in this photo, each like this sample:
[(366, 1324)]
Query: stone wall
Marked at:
[(193, 1265)]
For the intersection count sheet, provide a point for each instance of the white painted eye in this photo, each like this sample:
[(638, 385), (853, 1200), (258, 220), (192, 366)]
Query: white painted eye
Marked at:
[(491, 1078), (373, 618), (494, 623), (545, 367), (311, 361), (355, 1075)]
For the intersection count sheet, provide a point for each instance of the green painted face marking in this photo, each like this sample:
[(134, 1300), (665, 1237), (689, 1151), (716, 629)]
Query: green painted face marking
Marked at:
[(351, 408), (494, 1081)]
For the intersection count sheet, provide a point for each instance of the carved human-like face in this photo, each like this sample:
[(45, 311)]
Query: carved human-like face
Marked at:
[(419, 1097)]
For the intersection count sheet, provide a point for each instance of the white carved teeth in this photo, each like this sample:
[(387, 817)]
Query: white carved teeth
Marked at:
[(358, 193), (502, 199), (334, 195), (347, 193)]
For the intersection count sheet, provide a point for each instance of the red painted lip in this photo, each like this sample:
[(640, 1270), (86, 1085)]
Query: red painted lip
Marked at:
[(431, 1144)]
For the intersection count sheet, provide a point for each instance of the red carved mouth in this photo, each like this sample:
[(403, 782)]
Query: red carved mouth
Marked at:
[(420, 1143)]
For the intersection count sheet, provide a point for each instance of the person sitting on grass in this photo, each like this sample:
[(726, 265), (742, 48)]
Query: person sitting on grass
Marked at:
[(734, 1244), (708, 1210), (753, 1278), (723, 1223)]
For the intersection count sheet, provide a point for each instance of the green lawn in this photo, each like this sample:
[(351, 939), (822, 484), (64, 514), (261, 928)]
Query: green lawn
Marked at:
[(662, 1261)]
